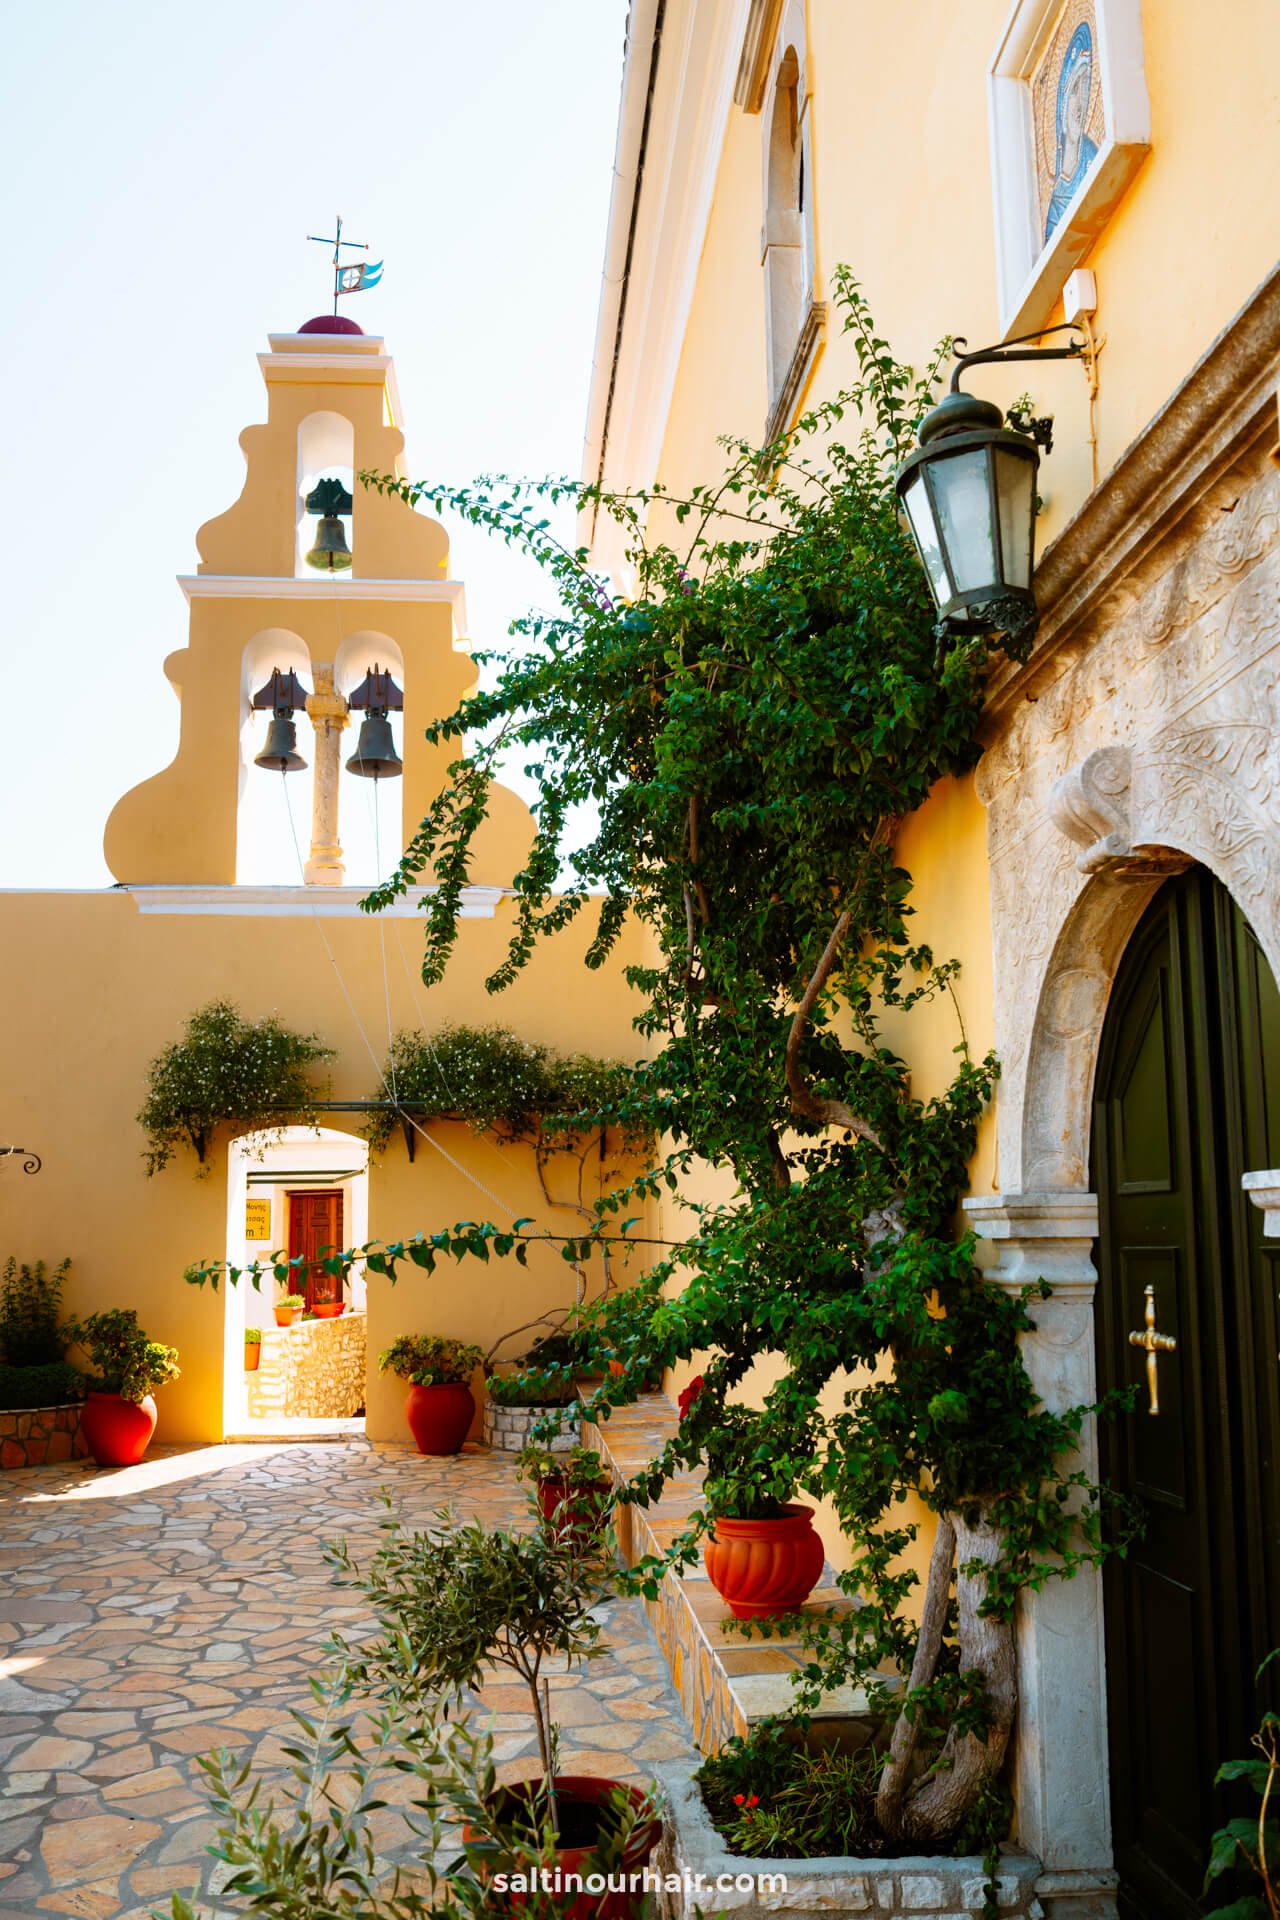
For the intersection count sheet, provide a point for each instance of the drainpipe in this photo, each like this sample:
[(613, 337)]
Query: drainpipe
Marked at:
[(639, 74)]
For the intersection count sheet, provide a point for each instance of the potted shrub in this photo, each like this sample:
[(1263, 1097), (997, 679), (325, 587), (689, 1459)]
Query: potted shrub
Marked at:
[(454, 1601), (252, 1348), (288, 1308), (532, 1399), (440, 1405), (119, 1412), (763, 1554), (572, 1489)]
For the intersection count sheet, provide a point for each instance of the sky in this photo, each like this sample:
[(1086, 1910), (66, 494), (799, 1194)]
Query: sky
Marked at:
[(160, 167)]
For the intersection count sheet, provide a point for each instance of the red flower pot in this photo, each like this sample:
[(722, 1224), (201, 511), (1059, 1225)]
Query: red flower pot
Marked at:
[(252, 1355), (572, 1508), (765, 1566), (285, 1316), (117, 1432), (439, 1417), (580, 1799), (329, 1309)]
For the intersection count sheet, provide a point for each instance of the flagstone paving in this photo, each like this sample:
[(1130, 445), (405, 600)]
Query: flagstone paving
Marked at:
[(152, 1613)]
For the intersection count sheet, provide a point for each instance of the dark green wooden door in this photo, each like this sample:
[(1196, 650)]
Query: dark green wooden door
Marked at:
[(1187, 1100)]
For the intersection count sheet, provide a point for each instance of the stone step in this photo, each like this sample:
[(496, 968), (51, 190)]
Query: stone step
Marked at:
[(725, 1682)]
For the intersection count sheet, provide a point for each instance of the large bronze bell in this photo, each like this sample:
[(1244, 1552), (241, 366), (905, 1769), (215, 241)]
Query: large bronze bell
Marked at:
[(330, 554), (280, 754), (375, 756)]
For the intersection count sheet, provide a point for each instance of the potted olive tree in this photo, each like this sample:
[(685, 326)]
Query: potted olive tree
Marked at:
[(440, 1405), (453, 1601), (119, 1412)]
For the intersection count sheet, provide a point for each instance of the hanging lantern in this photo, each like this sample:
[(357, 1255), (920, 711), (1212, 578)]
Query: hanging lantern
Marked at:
[(968, 492), (375, 757), (330, 554), (283, 694), (968, 495)]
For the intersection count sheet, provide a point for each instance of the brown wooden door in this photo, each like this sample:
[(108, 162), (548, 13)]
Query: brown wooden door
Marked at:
[(315, 1229), (1187, 1100)]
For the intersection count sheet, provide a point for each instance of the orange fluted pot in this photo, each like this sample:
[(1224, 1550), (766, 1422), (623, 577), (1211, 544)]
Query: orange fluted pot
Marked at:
[(765, 1566)]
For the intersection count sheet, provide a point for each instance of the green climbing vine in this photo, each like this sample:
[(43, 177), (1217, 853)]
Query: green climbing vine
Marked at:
[(748, 730)]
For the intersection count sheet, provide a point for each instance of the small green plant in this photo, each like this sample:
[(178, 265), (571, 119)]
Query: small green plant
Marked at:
[(51, 1385), (123, 1359), (581, 1466), (226, 1071), (1250, 1848), (308, 1846), (773, 1796), (430, 1360), (295, 1302), (30, 1301), (253, 1336), (454, 1600)]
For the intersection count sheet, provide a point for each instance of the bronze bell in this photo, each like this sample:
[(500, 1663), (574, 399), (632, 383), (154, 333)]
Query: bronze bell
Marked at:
[(280, 755), (329, 498), (375, 756)]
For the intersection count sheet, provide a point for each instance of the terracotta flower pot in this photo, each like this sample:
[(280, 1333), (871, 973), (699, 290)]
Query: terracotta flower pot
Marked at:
[(765, 1566), (252, 1355), (573, 1508), (285, 1316), (329, 1309), (117, 1432), (580, 1799), (439, 1417)]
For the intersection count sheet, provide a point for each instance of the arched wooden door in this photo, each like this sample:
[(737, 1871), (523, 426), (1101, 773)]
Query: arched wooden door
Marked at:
[(1187, 1099)]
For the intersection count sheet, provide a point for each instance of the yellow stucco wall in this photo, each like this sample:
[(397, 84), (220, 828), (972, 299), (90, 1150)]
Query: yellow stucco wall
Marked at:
[(95, 990)]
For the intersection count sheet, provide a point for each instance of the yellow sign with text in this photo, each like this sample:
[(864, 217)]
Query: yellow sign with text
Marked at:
[(257, 1219)]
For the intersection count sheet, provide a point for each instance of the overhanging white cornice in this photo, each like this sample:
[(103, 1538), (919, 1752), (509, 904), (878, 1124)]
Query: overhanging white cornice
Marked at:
[(261, 586), (657, 223), (477, 903)]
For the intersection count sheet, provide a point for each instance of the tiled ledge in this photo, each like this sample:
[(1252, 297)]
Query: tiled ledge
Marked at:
[(725, 1682)]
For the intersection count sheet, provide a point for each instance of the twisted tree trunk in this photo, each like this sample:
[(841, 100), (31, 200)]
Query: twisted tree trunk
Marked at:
[(927, 1814)]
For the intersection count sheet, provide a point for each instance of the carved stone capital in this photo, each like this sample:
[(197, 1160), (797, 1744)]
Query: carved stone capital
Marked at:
[(1039, 1236), (1090, 804), (1263, 1188)]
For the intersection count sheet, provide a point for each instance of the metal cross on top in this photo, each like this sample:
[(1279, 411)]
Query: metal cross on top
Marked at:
[(355, 278)]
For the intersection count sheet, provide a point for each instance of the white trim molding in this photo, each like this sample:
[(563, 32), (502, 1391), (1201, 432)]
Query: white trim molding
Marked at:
[(1032, 275), (1263, 1189), (342, 903), (264, 586), (676, 97)]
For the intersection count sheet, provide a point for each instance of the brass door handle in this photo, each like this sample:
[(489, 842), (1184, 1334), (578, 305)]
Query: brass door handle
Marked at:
[(1153, 1343)]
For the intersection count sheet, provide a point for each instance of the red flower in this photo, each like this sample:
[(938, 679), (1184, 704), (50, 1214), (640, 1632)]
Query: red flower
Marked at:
[(739, 1799), (686, 1399), (753, 1800)]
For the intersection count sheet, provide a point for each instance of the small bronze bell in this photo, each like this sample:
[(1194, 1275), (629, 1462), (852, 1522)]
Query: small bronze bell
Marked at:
[(280, 754), (281, 696), (375, 756), (330, 554)]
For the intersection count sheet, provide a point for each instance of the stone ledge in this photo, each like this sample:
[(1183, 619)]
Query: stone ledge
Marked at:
[(508, 1429), (41, 1436), (883, 1889), (726, 1682)]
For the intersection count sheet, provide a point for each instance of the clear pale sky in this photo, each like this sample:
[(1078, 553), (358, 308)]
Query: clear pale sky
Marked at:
[(161, 165)]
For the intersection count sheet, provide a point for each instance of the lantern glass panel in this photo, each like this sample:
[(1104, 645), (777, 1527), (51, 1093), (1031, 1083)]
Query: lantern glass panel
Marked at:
[(919, 511), (1015, 491), (963, 497)]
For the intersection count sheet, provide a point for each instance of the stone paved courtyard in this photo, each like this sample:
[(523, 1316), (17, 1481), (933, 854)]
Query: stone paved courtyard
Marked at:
[(149, 1614)]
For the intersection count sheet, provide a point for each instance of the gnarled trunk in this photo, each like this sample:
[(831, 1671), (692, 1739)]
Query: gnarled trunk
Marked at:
[(928, 1813)]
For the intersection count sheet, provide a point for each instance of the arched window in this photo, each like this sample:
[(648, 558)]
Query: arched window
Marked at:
[(793, 319)]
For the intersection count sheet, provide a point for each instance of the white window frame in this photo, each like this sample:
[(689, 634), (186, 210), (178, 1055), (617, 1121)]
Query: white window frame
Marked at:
[(1031, 275), (790, 362)]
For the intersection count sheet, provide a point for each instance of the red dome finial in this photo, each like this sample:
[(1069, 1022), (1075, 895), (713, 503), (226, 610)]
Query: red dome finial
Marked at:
[(330, 323)]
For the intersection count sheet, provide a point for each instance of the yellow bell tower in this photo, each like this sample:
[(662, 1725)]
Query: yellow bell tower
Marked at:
[(258, 604)]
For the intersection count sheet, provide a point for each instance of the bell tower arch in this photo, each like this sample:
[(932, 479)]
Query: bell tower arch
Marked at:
[(308, 554)]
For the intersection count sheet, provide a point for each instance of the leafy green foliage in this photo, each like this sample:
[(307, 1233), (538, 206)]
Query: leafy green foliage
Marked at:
[(30, 1301), (227, 1071), (772, 1795), (312, 1847), (123, 1359), (1249, 1850), (52, 1384), (453, 1600), (499, 1083), (429, 1360), (581, 1465)]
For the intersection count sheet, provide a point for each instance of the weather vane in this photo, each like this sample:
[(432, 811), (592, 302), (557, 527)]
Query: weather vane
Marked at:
[(356, 277)]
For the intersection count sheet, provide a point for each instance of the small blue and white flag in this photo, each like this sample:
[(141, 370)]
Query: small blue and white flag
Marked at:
[(357, 279)]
